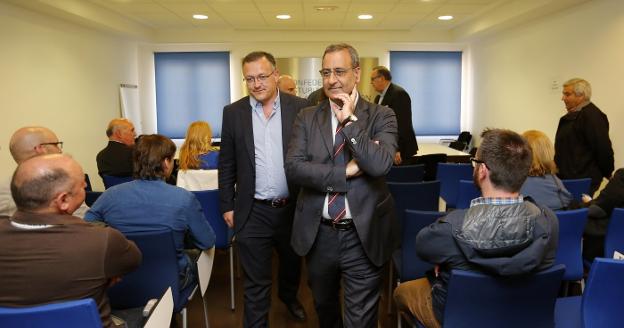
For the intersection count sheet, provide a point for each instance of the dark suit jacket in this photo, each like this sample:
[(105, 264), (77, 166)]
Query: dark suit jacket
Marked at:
[(237, 165), (398, 99), (115, 159), (309, 162)]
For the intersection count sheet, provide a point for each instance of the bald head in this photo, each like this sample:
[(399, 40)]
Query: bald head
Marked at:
[(48, 184), (287, 84), (31, 141), (121, 130)]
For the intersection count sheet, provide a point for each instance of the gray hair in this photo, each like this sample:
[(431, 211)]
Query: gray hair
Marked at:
[(355, 59), (581, 87)]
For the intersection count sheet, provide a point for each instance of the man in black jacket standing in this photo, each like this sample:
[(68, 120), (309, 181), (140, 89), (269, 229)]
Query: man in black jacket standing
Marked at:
[(582, 145), (398, 99)]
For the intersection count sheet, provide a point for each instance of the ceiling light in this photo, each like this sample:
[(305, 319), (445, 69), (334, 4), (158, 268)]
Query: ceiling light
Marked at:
[(445, 17), (283, 16), (197, 16), (326, 8), (365, 16)]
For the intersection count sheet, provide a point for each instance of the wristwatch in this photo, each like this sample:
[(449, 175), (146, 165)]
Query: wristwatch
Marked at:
[(350, 118)]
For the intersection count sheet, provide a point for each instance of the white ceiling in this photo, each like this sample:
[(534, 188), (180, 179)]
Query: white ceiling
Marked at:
[(415, 18), (260, 14)]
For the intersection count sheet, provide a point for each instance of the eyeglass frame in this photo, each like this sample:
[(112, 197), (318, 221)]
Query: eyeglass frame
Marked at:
[(250, 80), (326, 73), (58, 144), (375, 78), (474, 160)]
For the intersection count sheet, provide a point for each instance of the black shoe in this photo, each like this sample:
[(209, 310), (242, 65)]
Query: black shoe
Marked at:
[(296, 310)]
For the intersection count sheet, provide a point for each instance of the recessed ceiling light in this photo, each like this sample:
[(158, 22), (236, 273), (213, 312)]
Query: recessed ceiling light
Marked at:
[(326, 8), (445, 17), (283, 16), (197, 16), (365, 16)]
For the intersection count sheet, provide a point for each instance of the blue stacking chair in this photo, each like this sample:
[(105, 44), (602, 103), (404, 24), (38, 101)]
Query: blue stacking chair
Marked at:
[(449, 175), (79, 313), (406, 173), (480, 300), (577, 187), (600, 306), (110, 180), (569, 251), (407, 264), (209, 200), (91, 197), (467, 192), (614, 240), (423, 196), (88, 182), (158, 271)]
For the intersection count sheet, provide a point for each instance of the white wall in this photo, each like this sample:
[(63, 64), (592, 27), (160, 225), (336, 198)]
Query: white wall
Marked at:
[(61, 76), (513, 71)]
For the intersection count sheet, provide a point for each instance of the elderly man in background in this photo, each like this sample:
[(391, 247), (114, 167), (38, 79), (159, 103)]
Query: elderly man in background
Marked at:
[(582, 145), (395, 97), (28, 142), (287, 84), (48, 255), (116, 158)]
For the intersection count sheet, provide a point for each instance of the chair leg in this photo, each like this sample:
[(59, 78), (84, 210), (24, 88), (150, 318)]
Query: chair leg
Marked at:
[(399, 323), (390, 284), (207, 325), (184, 319), (231, 250)]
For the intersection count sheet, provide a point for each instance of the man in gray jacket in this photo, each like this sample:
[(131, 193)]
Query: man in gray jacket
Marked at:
[(501, 233)]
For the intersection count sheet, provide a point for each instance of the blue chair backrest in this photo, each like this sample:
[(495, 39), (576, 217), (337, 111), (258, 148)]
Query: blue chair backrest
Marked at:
[(422, 196), (158, 271), (412, 266), (479, 300), (569, 251), (209, 200), (79, 313), (449, 175), (601, 299), (614, 240), (110, 180), (577, 187), (88, 182), (406, 173), (91, 197), (467, 192)]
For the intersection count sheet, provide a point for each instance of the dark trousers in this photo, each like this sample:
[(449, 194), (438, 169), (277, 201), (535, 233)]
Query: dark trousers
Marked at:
[(267, 228), (338, 255)]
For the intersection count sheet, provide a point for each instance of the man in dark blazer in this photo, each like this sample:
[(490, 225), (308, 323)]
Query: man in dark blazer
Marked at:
[(116, 158), (582, 144), (398, 99), (345, 223), (256, 199)]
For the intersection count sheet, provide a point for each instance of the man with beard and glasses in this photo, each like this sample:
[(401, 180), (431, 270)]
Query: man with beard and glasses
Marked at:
[(472, 239)]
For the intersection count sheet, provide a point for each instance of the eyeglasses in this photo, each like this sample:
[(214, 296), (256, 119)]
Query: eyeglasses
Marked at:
[(375, 78), (260, 78), (475, 161), (339, 72), (58, 144)]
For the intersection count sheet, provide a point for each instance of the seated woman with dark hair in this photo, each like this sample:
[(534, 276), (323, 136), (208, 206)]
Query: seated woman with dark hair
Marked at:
[(542, 184), (196, 152), (148, 203)]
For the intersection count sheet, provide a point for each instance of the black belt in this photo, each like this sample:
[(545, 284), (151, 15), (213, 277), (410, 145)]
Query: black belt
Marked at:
[(275, 202), (345, 224)]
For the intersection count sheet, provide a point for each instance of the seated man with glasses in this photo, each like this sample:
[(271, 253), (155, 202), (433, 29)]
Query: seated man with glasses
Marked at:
[(501, 233), (28, 142)]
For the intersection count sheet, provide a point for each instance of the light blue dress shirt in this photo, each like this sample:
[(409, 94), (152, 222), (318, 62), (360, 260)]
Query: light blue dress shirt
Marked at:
[(269, 152)]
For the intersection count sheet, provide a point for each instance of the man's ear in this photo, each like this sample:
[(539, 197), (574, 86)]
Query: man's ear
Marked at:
[(61, 201)]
